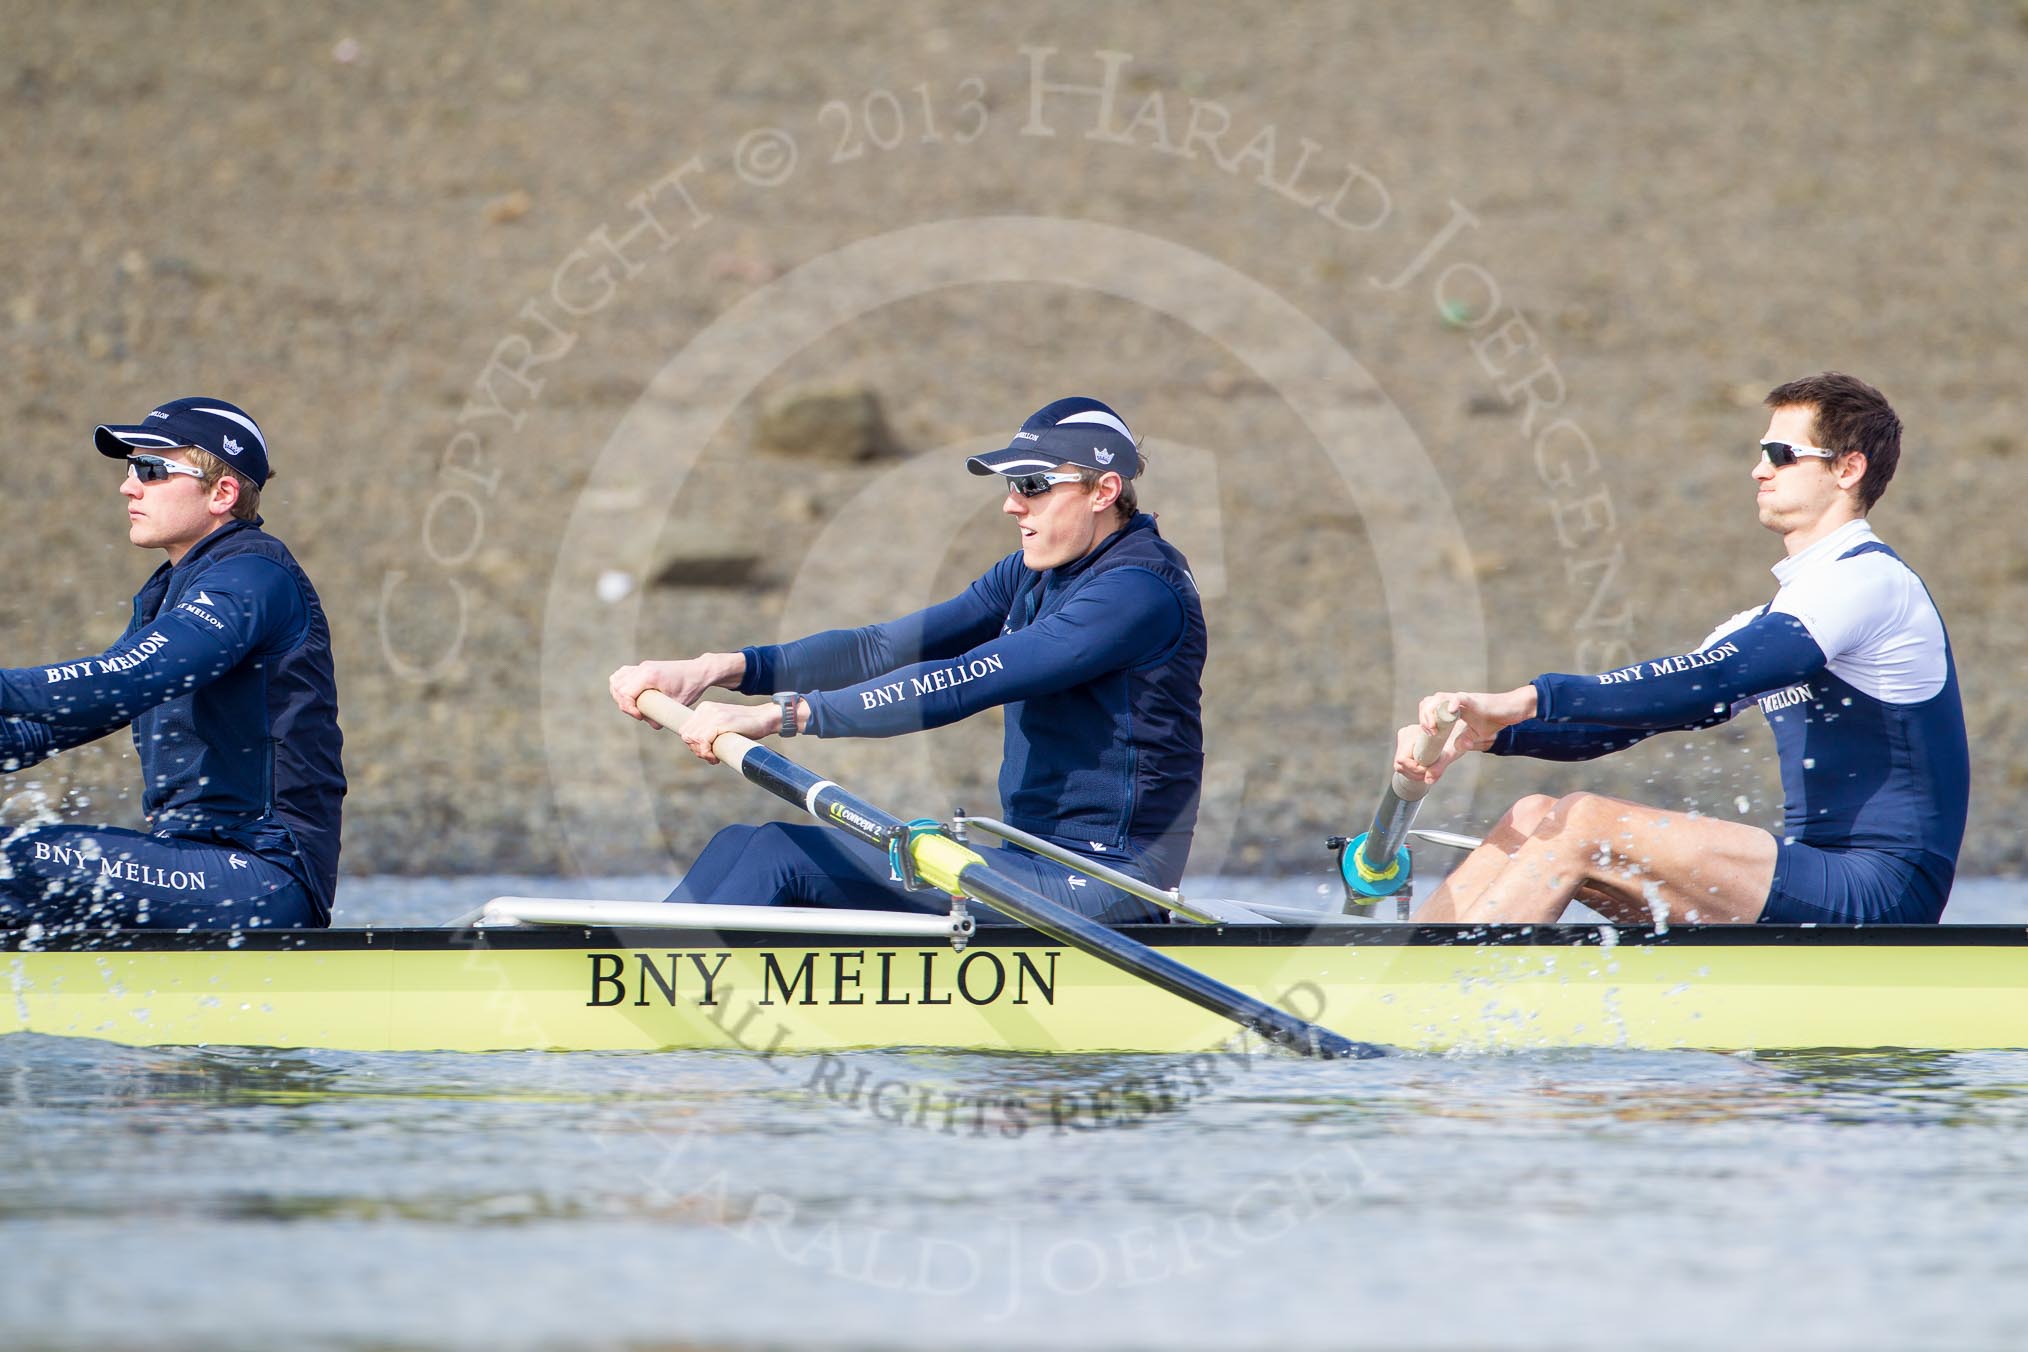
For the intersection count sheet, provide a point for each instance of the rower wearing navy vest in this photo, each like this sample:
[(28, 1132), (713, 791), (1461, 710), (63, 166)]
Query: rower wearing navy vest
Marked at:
[(1851, 667), (224, 674), (1091, 636)]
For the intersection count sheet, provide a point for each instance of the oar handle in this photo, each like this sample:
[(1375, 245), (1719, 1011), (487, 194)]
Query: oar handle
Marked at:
[(1427, 748), (1377, 864), (729, 747)]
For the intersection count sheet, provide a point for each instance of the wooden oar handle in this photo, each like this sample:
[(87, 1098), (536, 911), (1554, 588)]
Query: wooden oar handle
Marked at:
[(729, 747), (1427, 748)]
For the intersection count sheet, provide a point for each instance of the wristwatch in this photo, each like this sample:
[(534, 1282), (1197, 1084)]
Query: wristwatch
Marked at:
[(787, 700)]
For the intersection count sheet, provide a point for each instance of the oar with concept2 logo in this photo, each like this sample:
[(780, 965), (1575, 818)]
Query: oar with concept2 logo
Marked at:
[(924, 855)]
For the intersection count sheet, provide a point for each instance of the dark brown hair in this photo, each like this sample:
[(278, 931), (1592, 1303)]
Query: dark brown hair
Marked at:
[(1850, 415)]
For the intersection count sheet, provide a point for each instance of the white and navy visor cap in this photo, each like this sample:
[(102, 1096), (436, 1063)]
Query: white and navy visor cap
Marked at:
[(1076, 431), (208, 424)]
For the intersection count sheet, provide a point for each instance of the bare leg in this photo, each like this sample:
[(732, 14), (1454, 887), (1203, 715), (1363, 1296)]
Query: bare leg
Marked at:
[(1478, 869), (1630, 862), (1461, 889)]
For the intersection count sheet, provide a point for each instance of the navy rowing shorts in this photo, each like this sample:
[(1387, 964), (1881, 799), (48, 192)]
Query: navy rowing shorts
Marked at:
[(1850, 887), (70, 879)]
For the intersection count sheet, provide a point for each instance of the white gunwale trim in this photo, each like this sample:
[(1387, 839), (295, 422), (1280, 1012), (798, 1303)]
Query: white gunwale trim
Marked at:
[(504, 912)]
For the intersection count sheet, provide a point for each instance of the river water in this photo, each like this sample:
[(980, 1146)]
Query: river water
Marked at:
[(202, 1199)]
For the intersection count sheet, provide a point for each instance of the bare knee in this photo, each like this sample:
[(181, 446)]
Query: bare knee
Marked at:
[(1580, 821), (1528, 813), (1588, 814)]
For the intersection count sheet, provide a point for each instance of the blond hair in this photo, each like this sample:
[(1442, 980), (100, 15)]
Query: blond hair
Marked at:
[(246, 507)]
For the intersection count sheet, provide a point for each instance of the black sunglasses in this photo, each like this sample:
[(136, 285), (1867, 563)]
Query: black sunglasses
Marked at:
[(1035, 485), (1781, 455)]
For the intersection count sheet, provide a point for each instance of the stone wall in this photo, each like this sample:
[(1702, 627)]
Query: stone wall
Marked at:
[(1447, 327)]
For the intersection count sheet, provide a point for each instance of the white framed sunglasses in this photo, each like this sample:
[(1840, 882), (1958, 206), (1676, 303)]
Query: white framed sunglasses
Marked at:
[(1781, 454), (153, 469), (1035, 485)]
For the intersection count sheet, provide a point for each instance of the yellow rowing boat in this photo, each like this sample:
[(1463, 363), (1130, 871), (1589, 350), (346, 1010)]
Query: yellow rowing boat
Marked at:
[(1424, 987)]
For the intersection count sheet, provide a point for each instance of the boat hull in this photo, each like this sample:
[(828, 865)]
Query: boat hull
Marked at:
[(1415, 987)]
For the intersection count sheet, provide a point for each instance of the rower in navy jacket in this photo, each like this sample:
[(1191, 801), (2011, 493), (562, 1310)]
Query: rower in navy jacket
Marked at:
[(1091, 635), (225, 675), (1852, 668)]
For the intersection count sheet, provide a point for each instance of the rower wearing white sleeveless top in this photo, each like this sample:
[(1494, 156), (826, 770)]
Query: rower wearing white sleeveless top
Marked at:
[(1851, 666)]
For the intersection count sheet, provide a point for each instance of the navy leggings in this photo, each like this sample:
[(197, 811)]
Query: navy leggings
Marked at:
[(73, 878), (778, 865)]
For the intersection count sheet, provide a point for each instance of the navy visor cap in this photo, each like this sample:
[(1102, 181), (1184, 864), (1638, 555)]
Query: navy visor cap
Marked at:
[(1076, 431), (208, 424)]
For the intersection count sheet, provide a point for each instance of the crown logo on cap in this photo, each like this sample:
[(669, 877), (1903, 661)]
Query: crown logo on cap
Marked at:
[(231, 447)]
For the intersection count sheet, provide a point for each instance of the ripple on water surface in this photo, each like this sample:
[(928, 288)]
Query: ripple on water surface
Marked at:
[(261, 1199)]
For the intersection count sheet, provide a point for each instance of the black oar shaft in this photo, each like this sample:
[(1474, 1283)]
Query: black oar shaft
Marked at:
[(818, 796), (945, 861), (1157, 969), (827, 802)]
